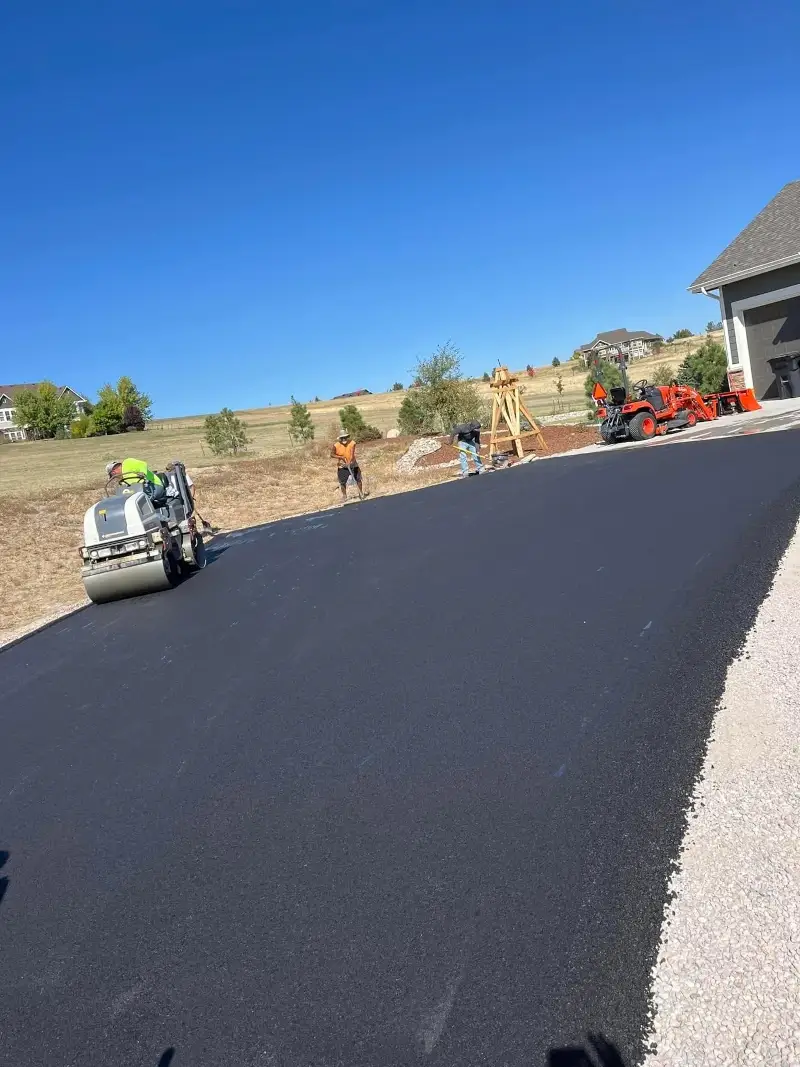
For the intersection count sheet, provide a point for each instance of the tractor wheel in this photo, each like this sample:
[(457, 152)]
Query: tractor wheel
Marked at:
[(642, 426), (608, 435), (691, 419)]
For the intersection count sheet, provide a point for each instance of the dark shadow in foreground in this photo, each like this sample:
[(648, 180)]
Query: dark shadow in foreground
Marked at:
[(3, 881), (597, 1052)]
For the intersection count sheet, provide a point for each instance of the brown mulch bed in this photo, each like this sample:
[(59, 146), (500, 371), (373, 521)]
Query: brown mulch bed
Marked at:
[(557, 438)]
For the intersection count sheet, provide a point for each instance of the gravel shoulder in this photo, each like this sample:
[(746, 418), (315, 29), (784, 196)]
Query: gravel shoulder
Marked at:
[(726, 987)]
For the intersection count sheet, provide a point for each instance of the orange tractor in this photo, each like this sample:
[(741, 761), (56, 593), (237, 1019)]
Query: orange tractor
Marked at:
[(656, 409)]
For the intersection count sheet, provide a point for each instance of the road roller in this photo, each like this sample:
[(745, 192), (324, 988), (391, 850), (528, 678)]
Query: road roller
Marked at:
[(141, 539)]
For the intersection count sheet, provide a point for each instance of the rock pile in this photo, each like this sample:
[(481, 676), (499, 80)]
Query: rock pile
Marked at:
[(421, 447)]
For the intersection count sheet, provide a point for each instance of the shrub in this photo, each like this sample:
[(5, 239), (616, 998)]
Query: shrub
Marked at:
[(397, 387), (301, 428), (608, 374), (412, 418), (226, 433), (81, 427), (663, 374), (351, 419), (706, 368), (132, 418), (353, 422), (367, 433)]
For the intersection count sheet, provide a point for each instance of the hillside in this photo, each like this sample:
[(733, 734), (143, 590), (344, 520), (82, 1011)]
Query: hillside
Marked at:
[(56, 464)]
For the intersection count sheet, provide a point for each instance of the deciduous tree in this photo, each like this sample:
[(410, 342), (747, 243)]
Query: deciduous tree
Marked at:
[(43, 412)]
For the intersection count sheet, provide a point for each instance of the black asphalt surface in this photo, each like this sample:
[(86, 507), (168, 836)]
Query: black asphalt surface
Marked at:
[(396, 784)]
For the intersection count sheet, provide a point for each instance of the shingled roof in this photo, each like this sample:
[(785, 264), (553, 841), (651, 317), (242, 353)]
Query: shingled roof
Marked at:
[(13, 391), (618, 337), (771, 240)]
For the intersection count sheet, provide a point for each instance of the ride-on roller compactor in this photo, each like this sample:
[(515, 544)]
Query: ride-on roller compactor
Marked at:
[(141, 539)]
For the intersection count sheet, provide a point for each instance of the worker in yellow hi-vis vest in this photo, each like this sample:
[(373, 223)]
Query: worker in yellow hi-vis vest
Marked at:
[(132, 473)]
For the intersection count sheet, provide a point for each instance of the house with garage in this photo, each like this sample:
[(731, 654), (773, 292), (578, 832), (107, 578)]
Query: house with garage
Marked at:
[(756, 281), (632, 345), (10, 428)]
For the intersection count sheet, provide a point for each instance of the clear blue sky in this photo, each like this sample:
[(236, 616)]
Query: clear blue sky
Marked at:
[(260, 198)]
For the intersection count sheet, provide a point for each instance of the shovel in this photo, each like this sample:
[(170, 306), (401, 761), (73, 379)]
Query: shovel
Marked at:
[(358, 487)]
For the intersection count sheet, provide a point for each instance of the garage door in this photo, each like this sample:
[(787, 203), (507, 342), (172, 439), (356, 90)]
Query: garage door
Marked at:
[(772, 330)]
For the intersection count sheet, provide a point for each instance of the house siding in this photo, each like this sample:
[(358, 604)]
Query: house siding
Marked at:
[(9, 429), (761, 283)]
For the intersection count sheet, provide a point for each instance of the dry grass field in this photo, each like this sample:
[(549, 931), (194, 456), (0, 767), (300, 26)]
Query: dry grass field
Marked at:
[(46, 486), (32, 465), (40, 532)]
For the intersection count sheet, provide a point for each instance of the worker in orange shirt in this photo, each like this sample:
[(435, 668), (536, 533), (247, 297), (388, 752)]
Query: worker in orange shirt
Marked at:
[(344, 452)]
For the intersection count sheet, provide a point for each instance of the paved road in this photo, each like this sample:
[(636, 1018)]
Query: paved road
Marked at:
[(775, 416), (392, 785)]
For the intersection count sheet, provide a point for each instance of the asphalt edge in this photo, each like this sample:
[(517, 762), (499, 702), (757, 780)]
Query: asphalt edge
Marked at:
[(768, 539)]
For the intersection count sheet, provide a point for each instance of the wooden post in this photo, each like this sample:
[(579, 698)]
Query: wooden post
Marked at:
[(507, 408)]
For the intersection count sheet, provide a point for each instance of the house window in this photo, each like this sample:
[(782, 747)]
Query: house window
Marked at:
[(6, 414), (15, 435)]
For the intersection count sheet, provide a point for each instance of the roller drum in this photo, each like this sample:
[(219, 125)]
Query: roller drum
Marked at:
[(151, 577)]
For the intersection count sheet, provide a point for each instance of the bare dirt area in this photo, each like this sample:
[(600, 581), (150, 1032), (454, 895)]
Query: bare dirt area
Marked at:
[(42, 530), (558, 439)]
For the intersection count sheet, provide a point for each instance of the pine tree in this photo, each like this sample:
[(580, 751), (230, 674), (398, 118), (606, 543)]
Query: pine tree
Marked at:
[(353, 422), (301, 428), (226, 433)]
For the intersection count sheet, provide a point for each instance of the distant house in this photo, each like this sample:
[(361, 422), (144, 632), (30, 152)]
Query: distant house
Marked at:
[(9, 427), (348, 396), (632, 345)]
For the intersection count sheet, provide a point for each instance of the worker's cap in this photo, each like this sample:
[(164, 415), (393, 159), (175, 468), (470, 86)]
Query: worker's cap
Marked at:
[(111, 467), (343, 435)]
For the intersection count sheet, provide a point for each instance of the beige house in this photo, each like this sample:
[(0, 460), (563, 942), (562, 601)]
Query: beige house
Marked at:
[(632, 345), (9, 427)]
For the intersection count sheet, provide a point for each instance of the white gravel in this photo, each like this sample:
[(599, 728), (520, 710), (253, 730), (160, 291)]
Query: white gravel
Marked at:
[(726, 986), (567, 417), (423, 446)]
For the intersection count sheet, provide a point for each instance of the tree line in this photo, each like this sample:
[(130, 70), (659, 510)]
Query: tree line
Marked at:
[(45, 412)]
